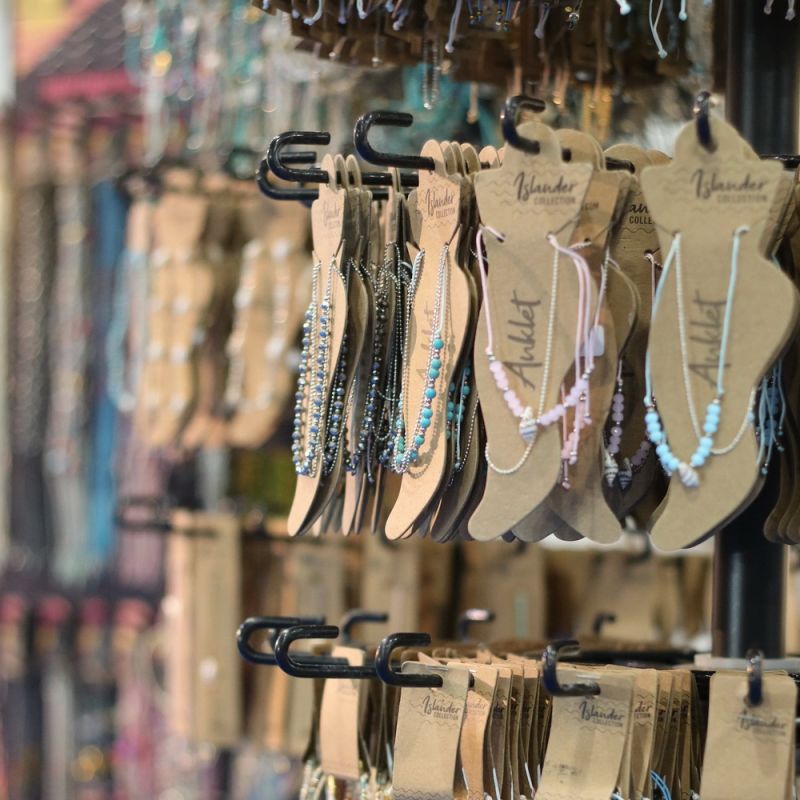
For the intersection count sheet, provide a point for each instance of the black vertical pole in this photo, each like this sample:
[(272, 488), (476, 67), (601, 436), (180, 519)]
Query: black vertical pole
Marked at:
[(761, 99)]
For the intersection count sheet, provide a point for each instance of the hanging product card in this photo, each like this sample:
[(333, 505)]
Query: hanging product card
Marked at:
[(215, 607), (587, 513), (324, 334), (177, 608), (180, 294), (428, 731), (340, 720), (634, 246), (721, 315), (587, 739), (643, 726), (750, 749), (439, 305), (472, 744), (532, 297)]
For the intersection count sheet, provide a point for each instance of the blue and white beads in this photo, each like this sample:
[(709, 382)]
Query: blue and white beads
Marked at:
[(669, 461), (405, 456)]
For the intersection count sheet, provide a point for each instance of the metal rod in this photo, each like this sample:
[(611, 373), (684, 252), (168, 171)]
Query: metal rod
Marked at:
[(761, 99)]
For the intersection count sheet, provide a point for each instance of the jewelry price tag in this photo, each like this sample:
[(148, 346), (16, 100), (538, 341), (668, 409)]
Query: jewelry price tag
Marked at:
[(427, 736), (750, 749)]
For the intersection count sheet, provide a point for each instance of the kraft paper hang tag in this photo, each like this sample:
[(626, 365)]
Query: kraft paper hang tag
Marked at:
[(631, 241), (527, 198), (428, 731), (588, 739), (357, 322), (705, 197), (663, 712), (177, 607), (439, 202), (587, 513), (216, 606), (749, 750), (510, 779), (472, 743), (637, 764), (340, 720), (330, 222), (497, 733)]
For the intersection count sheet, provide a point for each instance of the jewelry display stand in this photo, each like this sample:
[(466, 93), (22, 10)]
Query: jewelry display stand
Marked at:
[(762, 101)]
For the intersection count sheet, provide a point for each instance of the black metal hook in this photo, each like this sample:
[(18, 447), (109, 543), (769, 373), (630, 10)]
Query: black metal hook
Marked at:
[(470, 617), (755, 681), (301, 194), (701, 113), (355, 617), (508, 121), (315, 666), (277, 161), (600, 620), (275, 625), (392, 677), (396, 119), (550, 676)]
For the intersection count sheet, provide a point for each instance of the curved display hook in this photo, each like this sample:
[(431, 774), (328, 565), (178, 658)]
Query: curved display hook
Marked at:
[(274, 624), (392, 677), (355, 617), (755, 682), (508, 121), (396, 119), (315, 666), (301, 194), (277, 161), (600, 620), (470, 617), (550, 676), (701, 113)]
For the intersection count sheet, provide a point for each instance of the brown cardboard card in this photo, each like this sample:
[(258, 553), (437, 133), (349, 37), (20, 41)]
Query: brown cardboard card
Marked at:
[(340, 720), (216, 606), (526, 199), (587, 512), (428, 731), (440, 280), (635, 247), (330, 216), (470, 783), (749, 749), (588, 740), (705, 197)]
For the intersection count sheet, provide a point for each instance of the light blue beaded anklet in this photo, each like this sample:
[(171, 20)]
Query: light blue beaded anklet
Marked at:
[(705, 436)]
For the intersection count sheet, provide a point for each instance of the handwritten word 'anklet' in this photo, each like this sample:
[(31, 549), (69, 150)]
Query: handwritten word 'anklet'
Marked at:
[(687, 471), (529, 424)]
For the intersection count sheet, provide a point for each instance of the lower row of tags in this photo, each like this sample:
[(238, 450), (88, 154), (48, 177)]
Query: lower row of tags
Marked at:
[(492, 731)]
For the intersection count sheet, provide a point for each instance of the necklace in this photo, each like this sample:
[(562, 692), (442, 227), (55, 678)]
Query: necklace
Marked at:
[(705, 436), (456, 408), (400, 278), (578, 395), (313, 371), (369, 410), (612, 470), (405, 456)]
